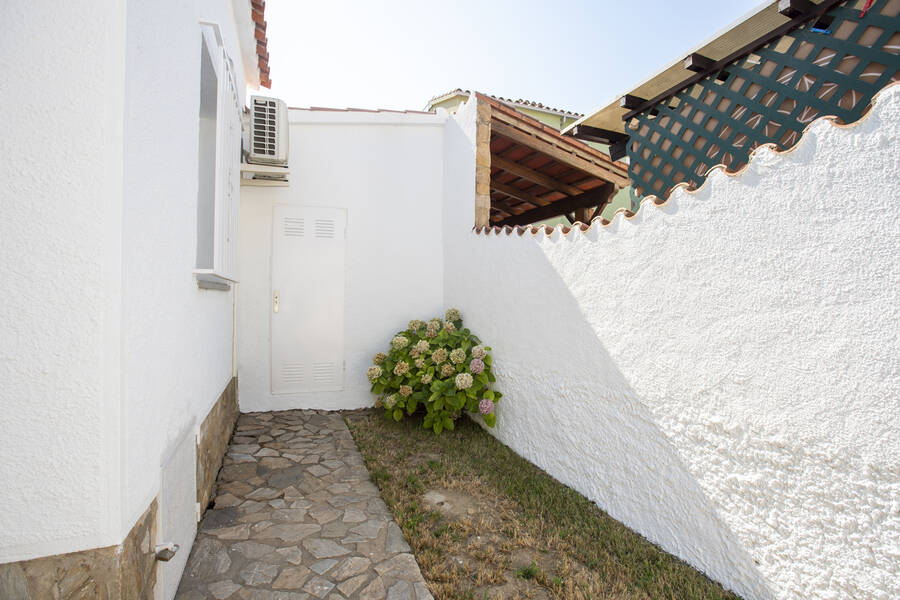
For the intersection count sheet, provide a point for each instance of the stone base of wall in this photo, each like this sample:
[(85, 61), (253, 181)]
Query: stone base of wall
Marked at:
[(212, 441), (127, 571)]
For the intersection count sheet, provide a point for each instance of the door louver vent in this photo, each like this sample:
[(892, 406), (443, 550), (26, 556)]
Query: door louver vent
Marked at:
[(292, 372), (324, 228), (323, 372), (294, 227)]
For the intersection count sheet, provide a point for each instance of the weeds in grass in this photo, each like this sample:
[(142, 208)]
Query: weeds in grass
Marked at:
[(529, 572)]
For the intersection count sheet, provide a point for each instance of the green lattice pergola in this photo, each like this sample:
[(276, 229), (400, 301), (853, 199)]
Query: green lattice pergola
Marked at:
[(828, 59)]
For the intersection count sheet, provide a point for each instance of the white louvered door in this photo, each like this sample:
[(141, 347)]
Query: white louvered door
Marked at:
[(307, 299)]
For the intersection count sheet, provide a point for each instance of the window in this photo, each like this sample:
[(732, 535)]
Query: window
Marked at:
[(218, 161)]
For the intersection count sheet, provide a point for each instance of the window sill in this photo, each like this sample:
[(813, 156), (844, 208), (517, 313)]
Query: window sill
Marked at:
[(209, 280)]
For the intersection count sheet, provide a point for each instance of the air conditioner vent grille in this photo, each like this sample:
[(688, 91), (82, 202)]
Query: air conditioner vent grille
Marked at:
[(265, 116)]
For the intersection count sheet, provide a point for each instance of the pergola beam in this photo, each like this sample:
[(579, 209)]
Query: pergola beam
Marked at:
[(595, 197), (542, 179)]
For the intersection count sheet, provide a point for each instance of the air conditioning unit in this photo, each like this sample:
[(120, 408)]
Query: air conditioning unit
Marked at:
[(268, 132)]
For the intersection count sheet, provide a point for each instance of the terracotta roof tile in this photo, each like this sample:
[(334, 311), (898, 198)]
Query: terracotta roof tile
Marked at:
[(258, 14), (509, 101)]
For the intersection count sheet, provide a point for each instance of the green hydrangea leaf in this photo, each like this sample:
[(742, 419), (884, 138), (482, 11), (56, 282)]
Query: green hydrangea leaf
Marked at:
[(490, 420), (398, 414)]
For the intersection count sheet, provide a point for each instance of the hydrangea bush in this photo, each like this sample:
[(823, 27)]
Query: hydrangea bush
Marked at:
[(438, 365)]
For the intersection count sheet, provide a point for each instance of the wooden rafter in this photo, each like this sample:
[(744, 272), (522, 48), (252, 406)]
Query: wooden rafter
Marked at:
[(517, 193), (595, 197), (533, 176), (565, 156)]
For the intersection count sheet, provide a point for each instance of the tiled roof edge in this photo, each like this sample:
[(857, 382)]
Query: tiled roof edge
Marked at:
[(547, 230), (258, 14), (508, 101)]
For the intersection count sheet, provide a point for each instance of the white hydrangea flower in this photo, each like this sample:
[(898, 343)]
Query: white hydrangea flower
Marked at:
[(420, 362), (447, 370), (457, 356), (379, 358), (439, 356), (452, 314), (374, 373), (390, 401), (415, 325), (463, 381), (399, 342), (426, 378), (405, 391), (401, 368), (449, 326), (479, 352), (422, 346)]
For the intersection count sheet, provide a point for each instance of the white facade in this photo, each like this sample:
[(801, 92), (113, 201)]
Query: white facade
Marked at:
[(721, 373), (385, 171), (111, 354)]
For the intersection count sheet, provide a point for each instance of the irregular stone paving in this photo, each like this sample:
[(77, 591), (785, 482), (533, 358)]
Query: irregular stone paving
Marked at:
[(296, 518)]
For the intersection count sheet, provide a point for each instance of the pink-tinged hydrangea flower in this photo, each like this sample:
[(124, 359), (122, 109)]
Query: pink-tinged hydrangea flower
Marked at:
[(390, 401), (439, 356), (414, 353), (452, 314), (463, 381), (399, 342), (485, 407), (420, 362), (374, 373), (457, 356), (479, 352), (405, 391), (379, 358), (416, 325), (433, 328), (426, 378), (449, 326), (401, 368), (447, 370), (476, 365), (422, 346)]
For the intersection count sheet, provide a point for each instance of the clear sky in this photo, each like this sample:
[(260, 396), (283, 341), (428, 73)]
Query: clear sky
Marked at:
[(397, 54)]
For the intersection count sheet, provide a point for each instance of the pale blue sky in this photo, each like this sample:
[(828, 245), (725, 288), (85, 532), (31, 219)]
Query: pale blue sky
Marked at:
[(397, 54)]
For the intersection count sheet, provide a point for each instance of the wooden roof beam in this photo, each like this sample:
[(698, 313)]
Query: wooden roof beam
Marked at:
[(596, 134), (561, 155), (519, 194), (595, 197), (533, 176)]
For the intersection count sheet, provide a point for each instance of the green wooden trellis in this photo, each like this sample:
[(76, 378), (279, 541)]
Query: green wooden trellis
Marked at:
[(831, 66)]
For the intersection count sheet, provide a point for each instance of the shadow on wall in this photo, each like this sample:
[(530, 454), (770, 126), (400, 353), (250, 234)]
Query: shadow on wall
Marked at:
[(574, 414)]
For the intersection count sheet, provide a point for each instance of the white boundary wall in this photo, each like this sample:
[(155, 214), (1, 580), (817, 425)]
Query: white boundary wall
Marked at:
[(721, 373)]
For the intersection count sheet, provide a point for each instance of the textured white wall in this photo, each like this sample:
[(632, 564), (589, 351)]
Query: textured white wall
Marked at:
[(109, 350), (721, 373), (386, 170), (61, 81), (177, 339)]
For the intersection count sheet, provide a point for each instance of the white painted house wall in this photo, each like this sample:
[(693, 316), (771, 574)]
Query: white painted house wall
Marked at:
[(110, 353), (385, 169), (720, 374), (62, 84)]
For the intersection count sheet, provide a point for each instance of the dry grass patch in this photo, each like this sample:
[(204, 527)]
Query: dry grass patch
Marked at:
[(485, 523)]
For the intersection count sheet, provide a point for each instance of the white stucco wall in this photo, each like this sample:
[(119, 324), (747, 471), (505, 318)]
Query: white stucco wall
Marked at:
[(177, 338), (386, 170), (61, 80), (720, 373), (109, 350)]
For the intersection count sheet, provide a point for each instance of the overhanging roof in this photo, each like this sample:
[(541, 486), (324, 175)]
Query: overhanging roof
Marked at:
[(760, 21), (537, 173)]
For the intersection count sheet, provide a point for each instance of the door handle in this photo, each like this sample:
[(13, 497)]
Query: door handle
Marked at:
[(275, 302)]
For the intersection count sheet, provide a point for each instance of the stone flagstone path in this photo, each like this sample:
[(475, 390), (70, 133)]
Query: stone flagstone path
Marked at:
[(296, 518)]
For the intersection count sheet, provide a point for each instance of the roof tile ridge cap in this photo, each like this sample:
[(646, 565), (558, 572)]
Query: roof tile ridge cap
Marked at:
[(832, 120)]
